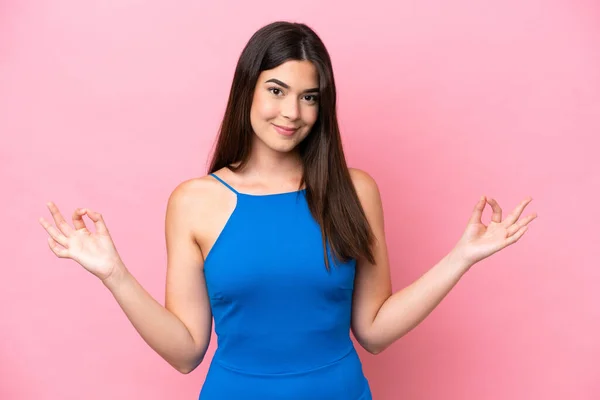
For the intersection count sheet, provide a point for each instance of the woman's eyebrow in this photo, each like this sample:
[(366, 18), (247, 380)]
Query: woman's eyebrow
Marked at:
[(285, 85)]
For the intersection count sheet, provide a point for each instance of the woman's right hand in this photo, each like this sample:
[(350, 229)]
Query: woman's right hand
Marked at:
[(95, 252)]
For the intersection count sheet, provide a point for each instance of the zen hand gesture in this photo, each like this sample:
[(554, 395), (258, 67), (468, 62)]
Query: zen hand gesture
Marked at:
[(480, 241), (95, 252)]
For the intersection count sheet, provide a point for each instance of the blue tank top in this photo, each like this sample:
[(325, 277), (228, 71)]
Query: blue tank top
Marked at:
[(282, 319)]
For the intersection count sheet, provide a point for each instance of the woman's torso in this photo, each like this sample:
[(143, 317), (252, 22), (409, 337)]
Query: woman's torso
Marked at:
[(282, 319)]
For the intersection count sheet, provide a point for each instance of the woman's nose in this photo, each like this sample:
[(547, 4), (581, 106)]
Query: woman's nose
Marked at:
[(290, 109)]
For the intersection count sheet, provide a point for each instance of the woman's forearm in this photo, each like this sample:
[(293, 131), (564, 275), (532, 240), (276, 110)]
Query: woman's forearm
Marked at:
[(162, 330), (406, 308)]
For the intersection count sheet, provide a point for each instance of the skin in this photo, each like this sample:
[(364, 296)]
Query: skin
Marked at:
[(198, 209)]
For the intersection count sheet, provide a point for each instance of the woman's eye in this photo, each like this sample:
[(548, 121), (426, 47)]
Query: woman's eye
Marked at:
[(311, 98)]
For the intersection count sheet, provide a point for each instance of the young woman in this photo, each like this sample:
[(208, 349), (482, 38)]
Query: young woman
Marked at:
[(281, 243)]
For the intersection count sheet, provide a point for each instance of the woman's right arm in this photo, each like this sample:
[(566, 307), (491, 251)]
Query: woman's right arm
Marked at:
[(180, 331)]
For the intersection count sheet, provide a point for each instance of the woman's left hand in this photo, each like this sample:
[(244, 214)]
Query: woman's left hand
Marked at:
[(480, 241)]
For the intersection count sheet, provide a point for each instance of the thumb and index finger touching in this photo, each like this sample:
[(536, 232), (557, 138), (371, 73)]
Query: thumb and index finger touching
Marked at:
[(97, 219), (77, 217)]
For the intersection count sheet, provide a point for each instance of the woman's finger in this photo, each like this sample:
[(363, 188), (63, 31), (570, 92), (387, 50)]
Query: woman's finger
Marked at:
[(518, 225), (98, 221), (54, 233), (496, 211), (78, 221), (61, 224), (56, 249), (514, 216), (512, 239), (477, 211)]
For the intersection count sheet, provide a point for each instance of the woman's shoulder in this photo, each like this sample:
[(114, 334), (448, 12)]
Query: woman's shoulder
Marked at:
[(362, 180), (198, 194), (196, 188), (201, 201)]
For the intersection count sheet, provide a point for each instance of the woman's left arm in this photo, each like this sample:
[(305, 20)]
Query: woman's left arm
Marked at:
[(379, 317)]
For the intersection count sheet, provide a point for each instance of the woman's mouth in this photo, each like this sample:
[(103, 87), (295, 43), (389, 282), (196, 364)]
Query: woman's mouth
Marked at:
[(285, 131)]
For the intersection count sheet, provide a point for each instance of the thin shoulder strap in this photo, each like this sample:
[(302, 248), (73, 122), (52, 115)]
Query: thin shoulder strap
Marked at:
[(224, 183)]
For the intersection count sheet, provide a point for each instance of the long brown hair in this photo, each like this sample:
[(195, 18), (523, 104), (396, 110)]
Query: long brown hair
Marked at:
[(330, 192)]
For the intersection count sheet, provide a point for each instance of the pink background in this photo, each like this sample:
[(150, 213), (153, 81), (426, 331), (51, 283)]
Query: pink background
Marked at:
[(109, 105)]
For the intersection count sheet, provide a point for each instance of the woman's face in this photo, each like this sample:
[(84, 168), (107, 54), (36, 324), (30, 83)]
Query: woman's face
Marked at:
[(286, 96)]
